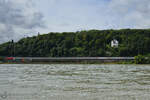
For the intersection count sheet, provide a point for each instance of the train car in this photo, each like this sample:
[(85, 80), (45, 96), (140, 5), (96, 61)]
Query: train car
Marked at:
[(9, 58)]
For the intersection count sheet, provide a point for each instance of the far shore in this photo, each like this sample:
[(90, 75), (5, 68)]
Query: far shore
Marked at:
[(84, 62), (76, 60)]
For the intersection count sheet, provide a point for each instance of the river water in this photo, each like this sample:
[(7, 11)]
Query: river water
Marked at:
[(74, 82)]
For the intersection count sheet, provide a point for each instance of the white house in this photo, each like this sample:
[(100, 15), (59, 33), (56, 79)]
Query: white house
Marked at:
[(114, 43)]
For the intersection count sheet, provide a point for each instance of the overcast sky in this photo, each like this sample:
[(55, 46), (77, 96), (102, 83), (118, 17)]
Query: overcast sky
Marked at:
[(21, 18)]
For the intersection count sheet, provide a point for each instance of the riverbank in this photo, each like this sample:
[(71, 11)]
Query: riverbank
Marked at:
[(76, 60), (67, 60), (83, 62)]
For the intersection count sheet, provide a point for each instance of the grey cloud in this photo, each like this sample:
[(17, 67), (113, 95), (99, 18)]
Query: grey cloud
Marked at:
[(131, 13), (18, 17), (98, 14)]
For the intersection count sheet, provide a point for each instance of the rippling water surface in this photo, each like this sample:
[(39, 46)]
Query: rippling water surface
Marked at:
[(74, 82)]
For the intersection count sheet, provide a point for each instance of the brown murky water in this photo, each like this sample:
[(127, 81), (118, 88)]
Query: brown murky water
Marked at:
[(74, 82)]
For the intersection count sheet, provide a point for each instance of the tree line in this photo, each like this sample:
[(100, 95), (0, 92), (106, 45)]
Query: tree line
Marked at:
[(91, 43)]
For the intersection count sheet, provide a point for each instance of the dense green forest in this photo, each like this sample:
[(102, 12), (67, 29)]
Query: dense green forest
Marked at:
[(90, 43)]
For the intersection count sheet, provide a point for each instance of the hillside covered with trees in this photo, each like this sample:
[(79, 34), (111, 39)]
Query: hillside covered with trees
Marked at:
[(92, 43)]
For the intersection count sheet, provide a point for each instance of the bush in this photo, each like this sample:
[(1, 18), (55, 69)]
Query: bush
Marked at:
[(148, 59), (1, 59), (140, 59)]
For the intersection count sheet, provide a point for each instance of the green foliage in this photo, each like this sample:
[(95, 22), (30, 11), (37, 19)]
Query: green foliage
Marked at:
[(148, 58), (140, 59), (92, 43)]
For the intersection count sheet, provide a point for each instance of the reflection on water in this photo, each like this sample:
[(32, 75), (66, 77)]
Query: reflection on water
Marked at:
[(74, 82)]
